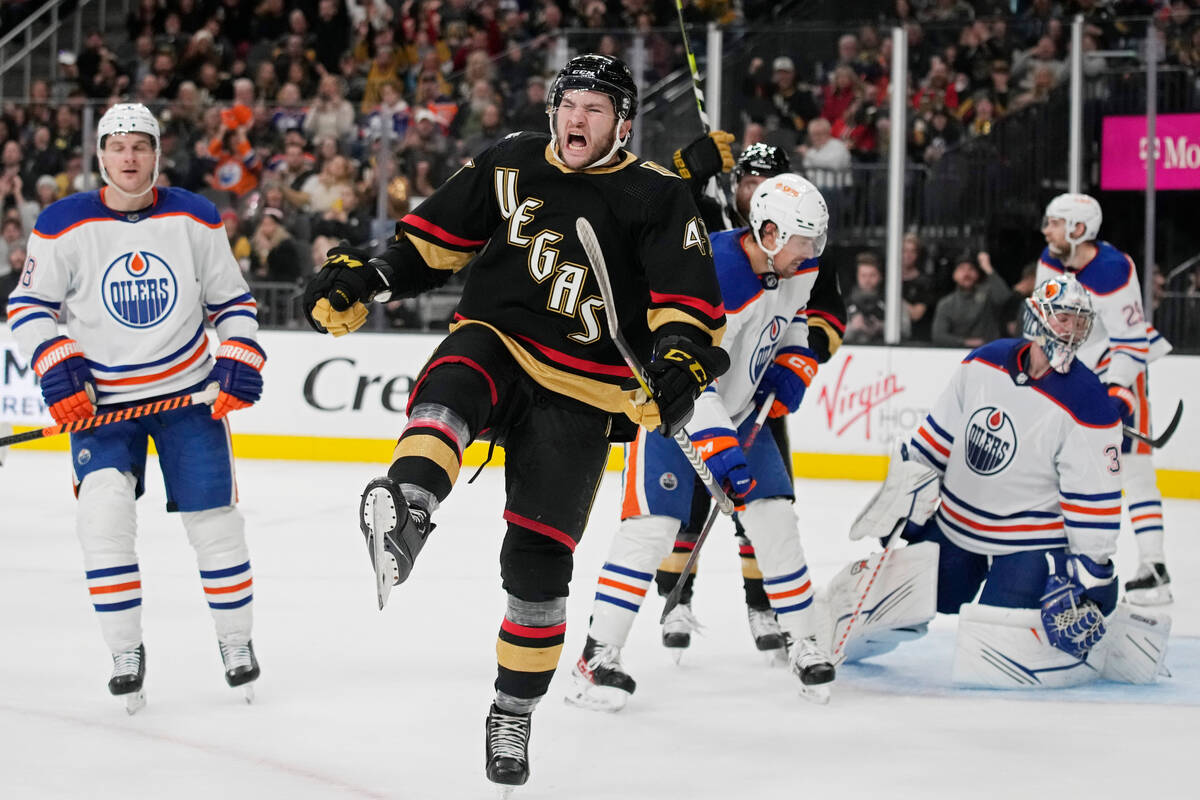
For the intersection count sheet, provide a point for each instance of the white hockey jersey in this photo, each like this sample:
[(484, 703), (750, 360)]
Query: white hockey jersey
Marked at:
[(1025, 464), (1122, 342), (137, 287), (759, 321)]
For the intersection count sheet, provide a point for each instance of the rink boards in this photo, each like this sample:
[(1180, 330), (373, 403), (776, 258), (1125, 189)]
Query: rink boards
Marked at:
[(343, 399)]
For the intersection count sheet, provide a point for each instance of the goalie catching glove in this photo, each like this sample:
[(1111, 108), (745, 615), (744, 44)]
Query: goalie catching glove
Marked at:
[(67, 383), (678, 374), (334, 298), (909, 494), (1080, 593), (238, 375), (789, 376)]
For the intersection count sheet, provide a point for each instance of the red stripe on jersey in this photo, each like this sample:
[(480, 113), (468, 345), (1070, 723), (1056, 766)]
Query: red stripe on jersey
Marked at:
[(1099, 512), (441, 233), (925, 435), (579, 364), (140, 379), (713, 312), (1048, 526)]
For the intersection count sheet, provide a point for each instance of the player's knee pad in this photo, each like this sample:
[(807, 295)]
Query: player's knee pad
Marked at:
[(641, 543), (771, 526), (1006, 648), (898, 607), (216, 534), (1134, 649), (534, 567), (106, 522)]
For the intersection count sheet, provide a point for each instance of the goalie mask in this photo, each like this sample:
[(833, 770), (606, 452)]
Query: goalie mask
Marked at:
[(1058, 317), (1074, 209), (796, 208), (128, 118), (595, 73)]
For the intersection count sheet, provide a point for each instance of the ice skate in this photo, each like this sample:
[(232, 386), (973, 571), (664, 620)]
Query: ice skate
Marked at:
[(811, 665), (129, 671), (1151, 586), (395, 534), (677, 630), (599, 682), (506, 743), (241, 667), (768, 636)]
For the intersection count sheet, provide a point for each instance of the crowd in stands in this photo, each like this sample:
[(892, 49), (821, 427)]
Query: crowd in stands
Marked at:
[(292, 114)]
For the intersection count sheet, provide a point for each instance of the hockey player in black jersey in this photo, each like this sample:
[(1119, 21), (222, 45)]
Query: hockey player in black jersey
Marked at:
[(529, 362), (697, 163)]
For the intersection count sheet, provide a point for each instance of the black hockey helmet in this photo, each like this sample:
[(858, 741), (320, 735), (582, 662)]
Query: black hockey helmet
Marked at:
[(765, 160), (597, 73)]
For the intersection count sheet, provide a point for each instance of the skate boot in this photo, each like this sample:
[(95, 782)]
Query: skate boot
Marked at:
[(768, 636), (677, 630), (1151, 586), (506, 739), (812, 666), (599, 681), (395, 534), (241, 667), (129, 671)]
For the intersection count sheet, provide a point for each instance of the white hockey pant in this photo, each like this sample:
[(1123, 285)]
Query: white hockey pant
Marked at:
[(1144, 502), (772, 527), (640, 545)]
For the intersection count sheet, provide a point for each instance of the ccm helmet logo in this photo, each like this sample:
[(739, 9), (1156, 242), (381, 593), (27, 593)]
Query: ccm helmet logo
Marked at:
[(784, 187)]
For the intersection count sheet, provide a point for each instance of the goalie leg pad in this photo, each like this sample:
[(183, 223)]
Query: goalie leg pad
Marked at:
[(639, 546), (899, 607), (106, 524), (1006, 648), (772, 528), (910, 492), (1135, 648)]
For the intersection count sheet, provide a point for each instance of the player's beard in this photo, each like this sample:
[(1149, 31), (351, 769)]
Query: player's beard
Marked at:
[(1059, 252)]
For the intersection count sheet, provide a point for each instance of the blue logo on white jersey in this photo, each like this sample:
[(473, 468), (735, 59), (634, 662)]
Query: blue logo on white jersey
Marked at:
[(139, 289), (764, 349), (991, 441)]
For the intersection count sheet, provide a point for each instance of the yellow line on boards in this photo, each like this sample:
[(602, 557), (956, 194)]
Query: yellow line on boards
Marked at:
[(1178, 483)]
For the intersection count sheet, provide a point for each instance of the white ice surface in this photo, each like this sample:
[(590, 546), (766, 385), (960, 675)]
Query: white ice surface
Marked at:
[(357, 703)]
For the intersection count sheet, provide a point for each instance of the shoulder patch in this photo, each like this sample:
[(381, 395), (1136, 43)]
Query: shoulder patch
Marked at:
[(68, 212), (1110, 271), (174, 200)]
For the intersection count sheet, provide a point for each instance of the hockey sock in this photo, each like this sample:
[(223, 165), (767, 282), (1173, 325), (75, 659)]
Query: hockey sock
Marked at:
[(219, 539), (752, 577), (1145, 506), (430, 450), (527, 651), (107, 525)]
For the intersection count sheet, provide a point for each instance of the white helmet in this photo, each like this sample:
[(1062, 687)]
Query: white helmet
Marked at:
[(796, 208), (1059, 336), (1074, 209), (128, 118)]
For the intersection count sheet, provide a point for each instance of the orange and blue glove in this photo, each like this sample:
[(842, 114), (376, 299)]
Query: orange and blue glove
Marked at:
[(789, 376), (238, 375), (725, 459), (67, 382), (1123, 401)]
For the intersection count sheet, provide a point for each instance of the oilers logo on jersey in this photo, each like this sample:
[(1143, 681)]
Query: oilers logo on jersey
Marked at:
[(139, 289), (668, 481), (764, 348), (991, 441)]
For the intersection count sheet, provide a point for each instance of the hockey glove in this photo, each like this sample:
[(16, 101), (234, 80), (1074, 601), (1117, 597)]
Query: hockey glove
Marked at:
[(238, 374), (789, 376), (726, 460), (334, 297), (1123, 401), (1079, 594), (705, 157), (67, 382), (678, 374)]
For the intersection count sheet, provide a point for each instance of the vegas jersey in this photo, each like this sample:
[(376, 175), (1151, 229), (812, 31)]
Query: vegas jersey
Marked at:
[(1025, 464), (136, 289), (510, 213), (1122, 342), (759, 321)]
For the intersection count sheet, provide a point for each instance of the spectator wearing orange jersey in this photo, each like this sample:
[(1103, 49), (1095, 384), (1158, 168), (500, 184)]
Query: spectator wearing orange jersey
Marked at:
[(238, 165)]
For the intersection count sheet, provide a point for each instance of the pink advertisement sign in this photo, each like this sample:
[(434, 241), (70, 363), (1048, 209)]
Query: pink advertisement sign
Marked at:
[(1123, 152)]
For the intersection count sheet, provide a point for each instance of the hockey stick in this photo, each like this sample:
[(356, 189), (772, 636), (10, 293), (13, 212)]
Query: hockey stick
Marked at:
[(677, 591), (722, 196), (1161, 440), (206, 395), (837, 656), (587, 237)]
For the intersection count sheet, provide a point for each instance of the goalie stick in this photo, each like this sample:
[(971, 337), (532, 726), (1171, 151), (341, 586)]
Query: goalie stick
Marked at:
[(206, 395), (677, 591), (1166, 435), (587, 237), (837, 656)]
